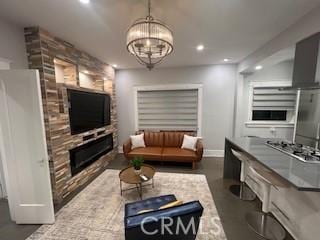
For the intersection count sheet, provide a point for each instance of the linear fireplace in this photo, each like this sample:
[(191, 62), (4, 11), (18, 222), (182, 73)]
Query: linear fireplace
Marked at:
[(84, 155)]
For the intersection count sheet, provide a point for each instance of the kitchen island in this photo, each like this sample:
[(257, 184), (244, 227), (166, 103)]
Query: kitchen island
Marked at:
[(301, 175), (296, 206)]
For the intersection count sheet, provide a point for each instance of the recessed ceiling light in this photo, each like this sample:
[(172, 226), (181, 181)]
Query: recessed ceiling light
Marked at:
[(226, 60), (105, 78), (200, 47), (259, 67), (114, 65), (86, 72), (85, 1)]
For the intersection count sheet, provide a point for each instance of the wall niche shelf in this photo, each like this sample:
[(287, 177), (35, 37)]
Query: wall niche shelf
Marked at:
[(65, 72), (79, 76), (90, 79), (67, 62)]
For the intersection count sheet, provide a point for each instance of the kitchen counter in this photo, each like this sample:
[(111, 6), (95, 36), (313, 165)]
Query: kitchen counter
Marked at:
[(303, 176)]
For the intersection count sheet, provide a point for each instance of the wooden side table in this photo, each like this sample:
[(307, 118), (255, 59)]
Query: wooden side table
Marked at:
[(128, 176)]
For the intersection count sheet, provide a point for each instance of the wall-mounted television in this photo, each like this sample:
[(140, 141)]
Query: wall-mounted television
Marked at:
[(88, 110)]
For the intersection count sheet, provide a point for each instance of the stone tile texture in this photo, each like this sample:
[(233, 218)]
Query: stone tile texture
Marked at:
[(42, 50)]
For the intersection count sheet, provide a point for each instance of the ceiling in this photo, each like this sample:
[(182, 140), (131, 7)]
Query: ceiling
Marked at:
[(283, 55), (227, 28)]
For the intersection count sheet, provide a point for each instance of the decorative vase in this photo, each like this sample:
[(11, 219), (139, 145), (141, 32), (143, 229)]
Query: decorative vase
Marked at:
[(137, 171)]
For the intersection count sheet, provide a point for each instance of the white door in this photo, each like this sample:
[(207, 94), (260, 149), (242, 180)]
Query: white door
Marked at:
[(23, 148)]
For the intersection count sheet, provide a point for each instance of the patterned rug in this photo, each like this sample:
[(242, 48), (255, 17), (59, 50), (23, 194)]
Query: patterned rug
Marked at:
[(97, 212)]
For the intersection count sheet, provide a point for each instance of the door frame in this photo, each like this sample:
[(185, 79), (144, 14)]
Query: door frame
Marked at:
[(6, 151), (4, 65), (3, 185)]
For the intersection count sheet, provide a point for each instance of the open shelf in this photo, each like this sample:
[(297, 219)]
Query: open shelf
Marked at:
[(90, 79), (80, 76), (65, 72)]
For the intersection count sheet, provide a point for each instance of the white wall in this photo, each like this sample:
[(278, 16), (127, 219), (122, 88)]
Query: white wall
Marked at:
[(218, 98), (12, 45), (13, 50), (281, 72), (4, 65), (305, 27)]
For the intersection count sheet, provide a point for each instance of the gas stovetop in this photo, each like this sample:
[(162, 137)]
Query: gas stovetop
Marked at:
[(299, 151)]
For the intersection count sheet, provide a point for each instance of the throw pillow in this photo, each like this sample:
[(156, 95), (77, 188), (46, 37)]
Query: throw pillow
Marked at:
[(172, 204), (189, 142), (137, 141)]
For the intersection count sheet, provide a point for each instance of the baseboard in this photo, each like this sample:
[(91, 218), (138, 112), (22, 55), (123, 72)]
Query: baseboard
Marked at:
[(213, 153), (207, 152)]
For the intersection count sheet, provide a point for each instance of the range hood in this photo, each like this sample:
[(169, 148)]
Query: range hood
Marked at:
[(306, 71)]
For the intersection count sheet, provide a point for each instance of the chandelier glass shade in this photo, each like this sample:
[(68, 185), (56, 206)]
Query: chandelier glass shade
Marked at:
[(149, 40)]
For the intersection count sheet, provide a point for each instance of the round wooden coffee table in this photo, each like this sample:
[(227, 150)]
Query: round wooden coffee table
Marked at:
[(128, 176)]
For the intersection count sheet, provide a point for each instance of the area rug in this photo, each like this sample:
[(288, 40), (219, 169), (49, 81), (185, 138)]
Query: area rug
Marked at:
[(97, 212)]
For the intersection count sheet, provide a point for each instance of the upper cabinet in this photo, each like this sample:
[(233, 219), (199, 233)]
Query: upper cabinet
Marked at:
[(306, 72)]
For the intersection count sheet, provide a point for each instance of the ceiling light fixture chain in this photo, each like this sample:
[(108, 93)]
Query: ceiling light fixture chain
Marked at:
[(149, 9), (149, 40)]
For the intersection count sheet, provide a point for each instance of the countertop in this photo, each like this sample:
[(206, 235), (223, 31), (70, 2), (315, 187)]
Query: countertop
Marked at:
[(303, 176)]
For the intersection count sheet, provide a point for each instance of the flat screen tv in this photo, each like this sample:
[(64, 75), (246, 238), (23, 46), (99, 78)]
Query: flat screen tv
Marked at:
[(88, 111)]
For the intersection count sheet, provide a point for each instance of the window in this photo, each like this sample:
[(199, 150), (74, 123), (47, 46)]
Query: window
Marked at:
[(167, 109), (269, 115), (268, 103)]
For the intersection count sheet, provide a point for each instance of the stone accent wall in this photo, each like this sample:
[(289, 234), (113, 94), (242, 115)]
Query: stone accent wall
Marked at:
[(42, 49), (70, 76)]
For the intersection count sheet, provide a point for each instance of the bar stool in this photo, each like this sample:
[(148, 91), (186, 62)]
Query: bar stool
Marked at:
[(261, 223), (242, 191)]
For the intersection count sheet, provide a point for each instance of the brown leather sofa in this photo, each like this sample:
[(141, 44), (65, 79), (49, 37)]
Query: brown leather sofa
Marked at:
[(165, 146)]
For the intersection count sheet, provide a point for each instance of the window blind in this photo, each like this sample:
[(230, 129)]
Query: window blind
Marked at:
[(168, 110), (271, 98)]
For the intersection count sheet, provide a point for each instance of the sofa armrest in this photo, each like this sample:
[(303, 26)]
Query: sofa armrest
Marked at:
[(127, 148), (199, 149)]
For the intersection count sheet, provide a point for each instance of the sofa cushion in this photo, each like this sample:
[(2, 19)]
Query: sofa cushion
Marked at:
[(149, 153), (189, 142), (174, 139), (153, 139), (178, 154), (137, 141)]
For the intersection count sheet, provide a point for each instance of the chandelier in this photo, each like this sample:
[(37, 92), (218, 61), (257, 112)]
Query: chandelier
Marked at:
[(149, 40)]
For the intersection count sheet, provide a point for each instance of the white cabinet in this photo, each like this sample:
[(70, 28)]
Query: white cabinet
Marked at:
[(298, 211), (254, 184), (269, 130)]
